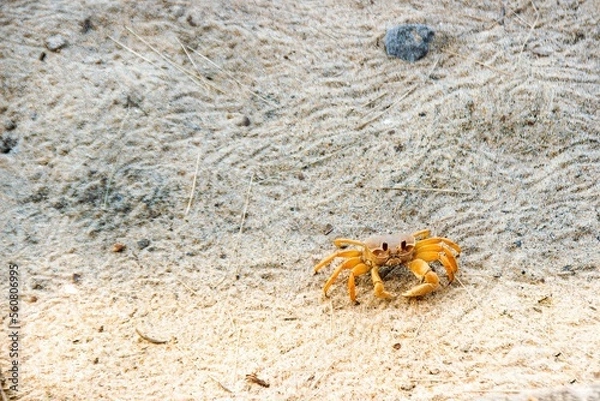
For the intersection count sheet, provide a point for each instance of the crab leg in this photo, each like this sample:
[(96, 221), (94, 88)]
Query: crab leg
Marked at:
[(380, 291), (421, 269), (358, 270), (450, 265), (436, 241), (340, 242), (348, 264), (339, 254), (421, 234), (443, 253)]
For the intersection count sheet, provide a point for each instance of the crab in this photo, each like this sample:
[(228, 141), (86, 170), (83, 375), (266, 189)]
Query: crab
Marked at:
[(414, 250)]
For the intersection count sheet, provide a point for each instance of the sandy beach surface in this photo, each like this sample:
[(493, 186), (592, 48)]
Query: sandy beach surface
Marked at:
[(172, 171)]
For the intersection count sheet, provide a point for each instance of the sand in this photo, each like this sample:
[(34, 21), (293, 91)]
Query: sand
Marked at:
[(225, 145)]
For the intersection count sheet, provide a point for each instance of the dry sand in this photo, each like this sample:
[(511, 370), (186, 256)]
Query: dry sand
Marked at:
[(300, 123)]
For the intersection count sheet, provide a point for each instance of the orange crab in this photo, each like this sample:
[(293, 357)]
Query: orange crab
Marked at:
[(415, 250)]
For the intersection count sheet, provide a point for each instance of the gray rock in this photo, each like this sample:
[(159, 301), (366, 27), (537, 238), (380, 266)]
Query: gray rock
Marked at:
[(410, 42), (55, 43)]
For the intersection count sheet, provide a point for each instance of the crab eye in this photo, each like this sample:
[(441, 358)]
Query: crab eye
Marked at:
[(403, 245), (384, 246)]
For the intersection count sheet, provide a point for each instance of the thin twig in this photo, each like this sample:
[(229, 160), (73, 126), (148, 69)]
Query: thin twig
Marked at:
[(189, 205), (417, 331), (232, 321), (112, 176), (132, 51), (532, 27), (468, 292), (318, 379), (536, 10), (232, 77), (371, 102), (395, 103), (330, 318), (422, 189), (326, 157), (497, 391), (219, 384), (434, 66), (512, 12), (192, 61), (237, 354), (150, 339), (190, 74), (476, 62), (243, 217), (188, 287), (364, 124)]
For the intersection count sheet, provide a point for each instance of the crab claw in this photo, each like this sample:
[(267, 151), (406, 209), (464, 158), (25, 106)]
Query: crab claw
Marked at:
[(421, 269)]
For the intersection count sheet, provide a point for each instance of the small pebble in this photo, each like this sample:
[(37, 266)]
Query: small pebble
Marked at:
[(407, 386), (190, 20), (86, 25), (118, 247), (178, 11), (7, 144), (466, 347), (9, 125), (410, 42), (244, 121), (55, 43), (542, 51)]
